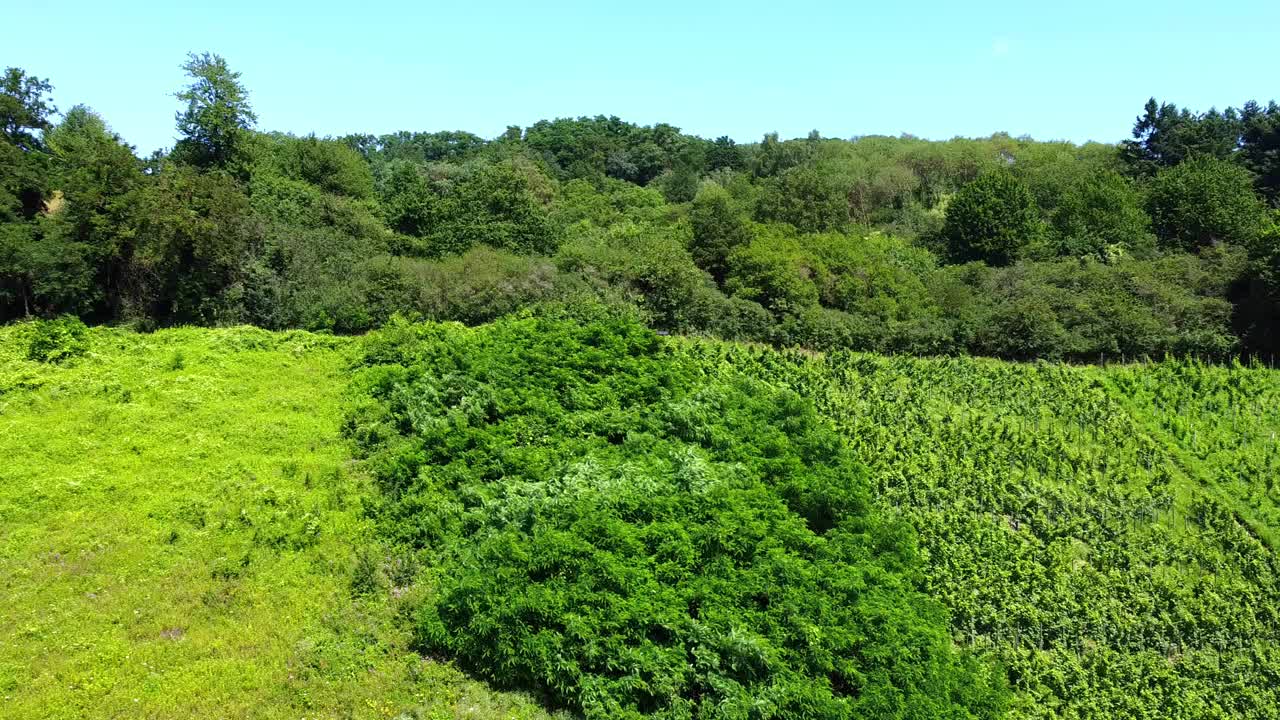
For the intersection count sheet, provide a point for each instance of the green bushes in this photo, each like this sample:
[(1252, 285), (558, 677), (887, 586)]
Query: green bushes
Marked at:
[(992, 219), (1205, 201), (1084, 309), (1099, 216), (499, 204), (1107, 532), (619, 531), (483, 284), (54, 341), (650, 265)]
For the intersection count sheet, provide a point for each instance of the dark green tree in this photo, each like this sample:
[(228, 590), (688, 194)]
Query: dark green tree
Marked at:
[(1260, 147), (718, 228), (330, 165), (97, 176), (992, 219), (24, 109), (1165, 135), (806, 198), (1204, 201), (1098, 214), (725, 153), (26, 263), (193, 236), (24, 115)]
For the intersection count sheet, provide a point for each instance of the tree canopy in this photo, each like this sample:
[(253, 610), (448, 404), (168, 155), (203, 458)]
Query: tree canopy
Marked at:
[(969, 245)]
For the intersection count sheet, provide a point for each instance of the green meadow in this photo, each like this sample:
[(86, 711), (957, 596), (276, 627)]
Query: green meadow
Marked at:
[(179, 528)]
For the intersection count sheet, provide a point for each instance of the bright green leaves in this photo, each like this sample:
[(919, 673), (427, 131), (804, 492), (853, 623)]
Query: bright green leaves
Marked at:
[(217, 115)]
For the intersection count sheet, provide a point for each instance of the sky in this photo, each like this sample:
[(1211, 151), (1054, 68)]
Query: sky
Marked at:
[(1055, 71)]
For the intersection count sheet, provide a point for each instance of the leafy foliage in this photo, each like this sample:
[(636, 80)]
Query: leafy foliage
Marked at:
[(1205, 201), (217, 112), (54, 341), (830, 244), (630, 539), (992, 219), (1107, 534)]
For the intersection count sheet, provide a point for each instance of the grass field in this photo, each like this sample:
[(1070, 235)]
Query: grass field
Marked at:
[(179, 527)]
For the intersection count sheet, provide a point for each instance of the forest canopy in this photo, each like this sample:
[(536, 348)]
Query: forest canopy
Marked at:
[(1165, 243)]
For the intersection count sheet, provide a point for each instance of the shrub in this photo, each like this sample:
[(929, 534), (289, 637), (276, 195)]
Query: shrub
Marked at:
[(778, 271), (58, 340), (649, 264), (482, 284)]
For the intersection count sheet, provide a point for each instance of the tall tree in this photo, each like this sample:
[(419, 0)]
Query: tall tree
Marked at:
[(217, 112), (1165, 135), (718, 228), (24, 116), (1260, 147), (24, 185), (24, 110), (96, 174)]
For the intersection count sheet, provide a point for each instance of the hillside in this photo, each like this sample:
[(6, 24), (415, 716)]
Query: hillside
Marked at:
[(618, 523)]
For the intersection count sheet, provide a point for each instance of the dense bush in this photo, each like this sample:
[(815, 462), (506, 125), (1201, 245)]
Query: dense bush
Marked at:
[(1107, 532), (630, 537), (1100, 216), (806, 199), (1205, 201), (484, 284), (992, 219), (651, 265), (718, 228), (1088, 310), (54, 341)]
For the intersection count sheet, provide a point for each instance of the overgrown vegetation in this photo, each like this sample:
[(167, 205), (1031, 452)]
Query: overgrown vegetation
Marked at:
[(568, 504), (609, 526), (620, 523), (1108, 534)]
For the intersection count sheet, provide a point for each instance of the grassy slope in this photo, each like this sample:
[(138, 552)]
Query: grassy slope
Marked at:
[(177, 531)]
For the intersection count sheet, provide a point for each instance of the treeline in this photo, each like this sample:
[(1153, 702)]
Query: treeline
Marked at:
[(1166, 243)]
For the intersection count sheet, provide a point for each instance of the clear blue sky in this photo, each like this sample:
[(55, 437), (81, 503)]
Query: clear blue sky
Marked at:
[(1077, 71)]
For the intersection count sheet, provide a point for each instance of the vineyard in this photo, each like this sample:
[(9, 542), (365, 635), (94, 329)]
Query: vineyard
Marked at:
[(1106, 533)]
